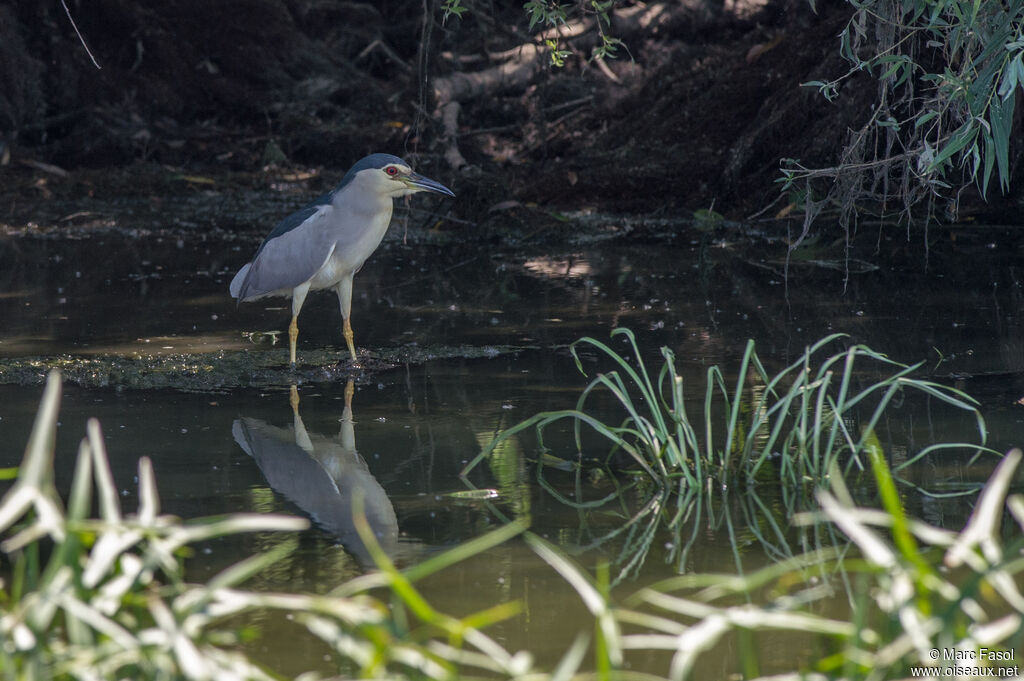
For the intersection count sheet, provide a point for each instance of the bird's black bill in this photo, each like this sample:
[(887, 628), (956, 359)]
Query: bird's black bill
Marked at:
[(425, 183)]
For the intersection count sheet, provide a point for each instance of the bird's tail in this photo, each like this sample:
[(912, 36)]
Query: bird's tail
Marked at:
[(238, 281)]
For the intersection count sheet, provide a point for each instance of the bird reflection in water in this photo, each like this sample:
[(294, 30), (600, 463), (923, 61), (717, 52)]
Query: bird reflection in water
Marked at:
[(321, 474)]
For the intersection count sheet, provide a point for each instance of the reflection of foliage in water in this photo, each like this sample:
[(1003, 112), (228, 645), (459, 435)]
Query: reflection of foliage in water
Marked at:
[(907, 616), (637, 517), (106, 597), (795, 429), (506, 464)]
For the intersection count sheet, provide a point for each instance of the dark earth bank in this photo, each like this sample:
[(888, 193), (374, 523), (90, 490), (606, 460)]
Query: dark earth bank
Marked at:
[(696, 111)]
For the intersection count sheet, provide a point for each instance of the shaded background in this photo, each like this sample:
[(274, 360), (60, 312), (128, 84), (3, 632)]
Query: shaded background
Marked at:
[(696, 111)]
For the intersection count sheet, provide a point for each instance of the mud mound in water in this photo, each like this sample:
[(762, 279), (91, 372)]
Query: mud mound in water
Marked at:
[(225, 371)]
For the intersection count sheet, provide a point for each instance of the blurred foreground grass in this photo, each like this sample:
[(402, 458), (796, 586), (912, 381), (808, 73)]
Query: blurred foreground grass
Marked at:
[(105, 597)]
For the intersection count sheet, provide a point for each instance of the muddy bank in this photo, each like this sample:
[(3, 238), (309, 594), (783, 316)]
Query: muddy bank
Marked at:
[(695, 112), (224, 371)]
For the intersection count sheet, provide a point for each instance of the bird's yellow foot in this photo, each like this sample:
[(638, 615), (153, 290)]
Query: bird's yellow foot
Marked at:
[(293, 336)]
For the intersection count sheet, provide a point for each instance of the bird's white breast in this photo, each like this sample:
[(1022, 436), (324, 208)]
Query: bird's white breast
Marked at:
[(356, 237)]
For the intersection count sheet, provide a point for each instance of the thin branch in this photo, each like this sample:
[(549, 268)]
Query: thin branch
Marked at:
[(79, 34)]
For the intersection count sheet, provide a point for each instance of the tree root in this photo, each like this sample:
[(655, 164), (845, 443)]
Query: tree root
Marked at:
[(521, 65)]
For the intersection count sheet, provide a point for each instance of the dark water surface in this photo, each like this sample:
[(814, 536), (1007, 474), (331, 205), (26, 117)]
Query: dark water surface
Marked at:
[(415, 426)]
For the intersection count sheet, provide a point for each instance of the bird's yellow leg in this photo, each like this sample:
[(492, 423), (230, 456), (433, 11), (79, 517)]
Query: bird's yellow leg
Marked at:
[(349, 338), (350, 390), (293, 336), (293, 399)]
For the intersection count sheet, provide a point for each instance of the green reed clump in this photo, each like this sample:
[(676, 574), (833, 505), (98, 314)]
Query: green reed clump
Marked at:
[(795, 424)]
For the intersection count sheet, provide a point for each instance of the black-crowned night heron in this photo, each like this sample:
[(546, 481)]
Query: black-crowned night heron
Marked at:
[(324, 244)]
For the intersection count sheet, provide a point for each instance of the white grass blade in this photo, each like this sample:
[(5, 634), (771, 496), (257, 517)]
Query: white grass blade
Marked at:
[(983, 527), (149, 499), (570, 662), (110, 505), (847, 520)]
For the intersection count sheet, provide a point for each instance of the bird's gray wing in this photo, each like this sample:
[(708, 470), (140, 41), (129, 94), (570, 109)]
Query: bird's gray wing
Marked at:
[(290, 255)]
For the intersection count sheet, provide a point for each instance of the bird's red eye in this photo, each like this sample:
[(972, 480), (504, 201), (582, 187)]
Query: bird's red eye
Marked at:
[(391, 170)]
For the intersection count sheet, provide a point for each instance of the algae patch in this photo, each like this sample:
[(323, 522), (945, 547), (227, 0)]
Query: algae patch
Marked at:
[(223, 371)]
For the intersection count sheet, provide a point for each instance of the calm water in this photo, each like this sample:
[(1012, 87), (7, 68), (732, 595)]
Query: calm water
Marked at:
[(410, 430)]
